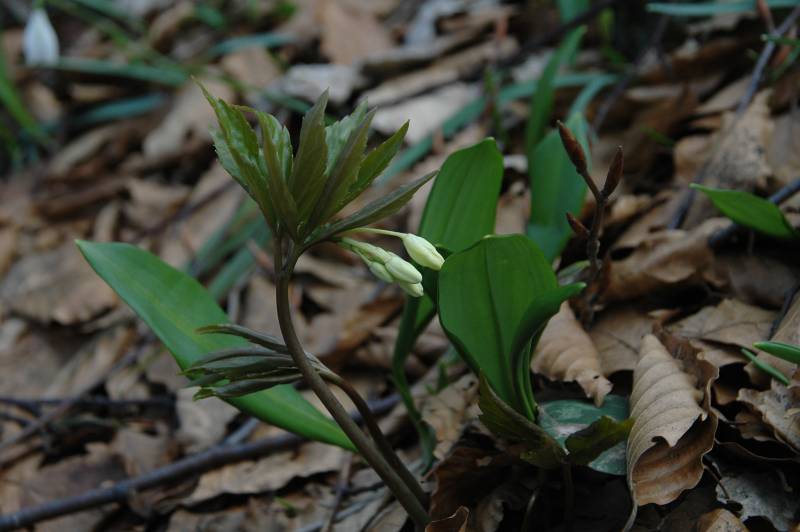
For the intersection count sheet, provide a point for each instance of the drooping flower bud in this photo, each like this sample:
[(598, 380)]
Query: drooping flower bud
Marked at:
[(414, 290), (380, 271), (614, 173), (576, 225), (423, 252), (39, 40), (573, 148), (402, 271)]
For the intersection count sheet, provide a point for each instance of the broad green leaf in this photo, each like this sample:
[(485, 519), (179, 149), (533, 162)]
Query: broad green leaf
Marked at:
[(174, 305), (788, 352), (541, 449), (378, 209), (588, 431), (485, 292), (556, 189), (544, 95), (569, 9), (750, 211)]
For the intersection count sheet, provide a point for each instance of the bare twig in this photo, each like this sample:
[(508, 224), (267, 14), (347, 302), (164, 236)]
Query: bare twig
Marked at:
[(341, 487), (213, 458), (592, 235)]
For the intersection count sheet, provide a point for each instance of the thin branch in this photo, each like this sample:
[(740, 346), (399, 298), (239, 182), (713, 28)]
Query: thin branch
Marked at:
[(213, 458)]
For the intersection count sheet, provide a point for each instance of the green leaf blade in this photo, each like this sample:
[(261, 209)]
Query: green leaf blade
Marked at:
[(175, 305), (750, 211)]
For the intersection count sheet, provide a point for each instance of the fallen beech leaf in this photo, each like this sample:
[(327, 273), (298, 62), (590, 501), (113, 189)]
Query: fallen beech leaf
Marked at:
[(566, 353), (203, 423), (445, 412), (760, 493), (56, 285), (777, 409), (720, 520), (454, 523), (755, 279), (349, 34), (8, 247), (673, 425), (617, 335), (663, 259)]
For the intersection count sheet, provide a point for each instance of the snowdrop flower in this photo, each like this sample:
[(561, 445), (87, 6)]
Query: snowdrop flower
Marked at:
[(402, 270), (423, 252), (39, 41), (414, 290)]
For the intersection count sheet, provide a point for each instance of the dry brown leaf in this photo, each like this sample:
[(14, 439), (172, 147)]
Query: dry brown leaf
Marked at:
[(730, 322), (664, 259), (447, 411), (152, 202), (566, 353), (8, 247), (777, 408), (141, 452), (673, 426), (204, 422), (617, 336), (738, 159), (57, 285), (720, 520), (188, 122), (253, 66), (757, 279), (689, 155), (784, 150), (270, 473), (455, 523), (349, 34)]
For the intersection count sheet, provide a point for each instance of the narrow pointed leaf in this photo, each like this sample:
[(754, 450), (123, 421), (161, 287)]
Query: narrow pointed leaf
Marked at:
[(375, 163), (174, 305), (750, 211), (264, 340), (308, 172), (788, 352)]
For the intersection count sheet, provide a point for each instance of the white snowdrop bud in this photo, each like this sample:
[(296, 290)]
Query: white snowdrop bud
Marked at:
[(402, 270), (380, 271), (39, 41), (423, 252), (414, 290)]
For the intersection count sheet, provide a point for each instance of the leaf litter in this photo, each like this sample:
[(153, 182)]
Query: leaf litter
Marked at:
[(130, 158)]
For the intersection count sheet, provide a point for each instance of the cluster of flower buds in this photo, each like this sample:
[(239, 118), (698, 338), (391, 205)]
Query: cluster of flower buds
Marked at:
[(390, 267)]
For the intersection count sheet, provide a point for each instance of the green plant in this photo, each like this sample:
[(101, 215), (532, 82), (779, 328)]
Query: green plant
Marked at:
[(299, 195), (750, 211)]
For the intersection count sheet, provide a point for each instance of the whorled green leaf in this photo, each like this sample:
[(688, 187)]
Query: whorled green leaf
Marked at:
[(485, 293), (594, 436), (375, 163), (750, 211), (274, 155), (266, 341), (374, 211), (556, 189), (174, 305), (338, 133), (788, 352), (541, 449), (308, 172)]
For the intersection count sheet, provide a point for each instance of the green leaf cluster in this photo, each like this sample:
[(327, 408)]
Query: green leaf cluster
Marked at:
[(300, 193)]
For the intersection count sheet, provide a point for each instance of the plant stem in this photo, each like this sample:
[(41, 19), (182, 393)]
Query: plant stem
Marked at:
[(378, 437), (393, 481)]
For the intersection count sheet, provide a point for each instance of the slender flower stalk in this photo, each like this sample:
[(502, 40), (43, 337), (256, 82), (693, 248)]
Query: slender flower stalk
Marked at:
[(406, 495)]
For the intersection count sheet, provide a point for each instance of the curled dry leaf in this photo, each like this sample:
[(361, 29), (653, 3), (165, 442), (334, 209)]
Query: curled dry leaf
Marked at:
[(778, 410), (454, 523), (663, 259), (617, 335), (566, 353), (446, 411), (673, 425), (720, 520)]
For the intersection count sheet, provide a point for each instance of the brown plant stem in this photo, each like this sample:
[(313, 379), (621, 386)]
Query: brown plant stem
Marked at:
[(368, 451), (377, 435)]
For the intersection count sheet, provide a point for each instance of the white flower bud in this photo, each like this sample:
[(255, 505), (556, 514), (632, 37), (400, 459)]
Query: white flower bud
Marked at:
[(423, 252), (372, 252), (380, 271), (414, 290), (39, 40), (402, 270)]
